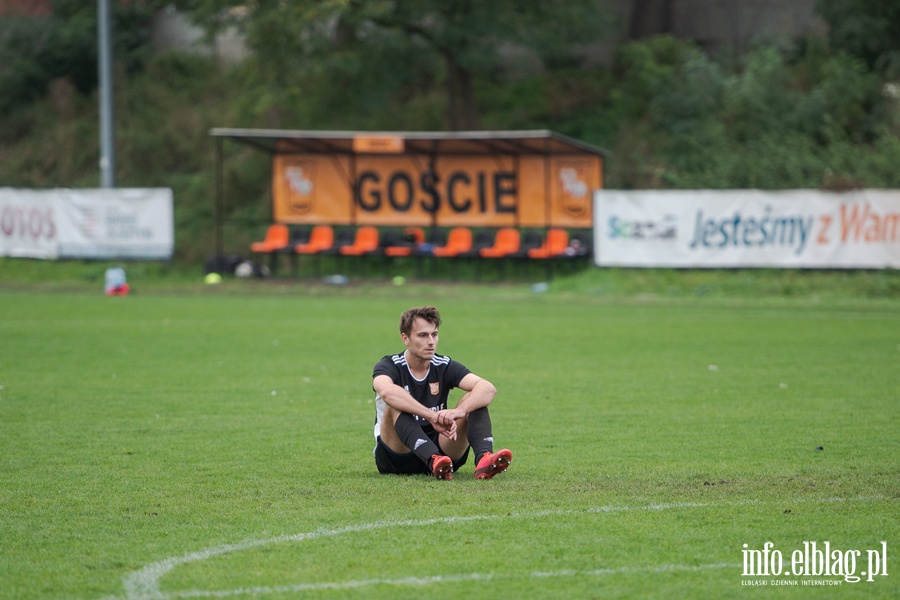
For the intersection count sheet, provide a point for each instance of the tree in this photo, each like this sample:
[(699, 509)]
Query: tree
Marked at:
[(35, 50), (868, 29), (459, 40)]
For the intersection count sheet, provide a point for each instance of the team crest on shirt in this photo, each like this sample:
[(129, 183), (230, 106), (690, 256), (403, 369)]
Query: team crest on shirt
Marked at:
[(435, 387)]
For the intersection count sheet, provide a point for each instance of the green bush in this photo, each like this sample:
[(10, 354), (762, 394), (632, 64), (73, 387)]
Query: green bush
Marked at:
[(37, 50), (23, 77)]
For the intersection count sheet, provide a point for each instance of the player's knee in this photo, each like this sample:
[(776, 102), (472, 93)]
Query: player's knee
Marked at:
[(461, 427), (389, 423)]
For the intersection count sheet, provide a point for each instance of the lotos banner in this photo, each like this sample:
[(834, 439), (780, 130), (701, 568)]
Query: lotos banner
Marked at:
[(449, 190), (97, 223), (747, 228)]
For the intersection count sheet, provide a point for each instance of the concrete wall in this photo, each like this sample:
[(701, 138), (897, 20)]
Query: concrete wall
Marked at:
[(172, 30), (723, 24)]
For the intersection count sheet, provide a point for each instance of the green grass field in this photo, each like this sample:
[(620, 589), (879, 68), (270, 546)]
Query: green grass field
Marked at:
[(205, 444)]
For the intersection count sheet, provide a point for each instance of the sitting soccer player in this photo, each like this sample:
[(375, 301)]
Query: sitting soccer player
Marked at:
[(415, 432)]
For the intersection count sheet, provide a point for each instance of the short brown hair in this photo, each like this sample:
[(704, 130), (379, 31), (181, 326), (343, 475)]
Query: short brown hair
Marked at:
[(428, 313)]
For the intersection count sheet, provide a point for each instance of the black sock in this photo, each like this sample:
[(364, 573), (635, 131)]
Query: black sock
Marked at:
[(413, 437), (479, 432)]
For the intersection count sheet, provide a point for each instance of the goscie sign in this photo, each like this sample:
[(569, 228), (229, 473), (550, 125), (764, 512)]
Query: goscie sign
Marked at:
[(404, 189)]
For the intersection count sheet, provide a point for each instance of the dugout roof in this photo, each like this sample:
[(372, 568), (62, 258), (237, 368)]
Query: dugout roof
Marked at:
[(410, 142)]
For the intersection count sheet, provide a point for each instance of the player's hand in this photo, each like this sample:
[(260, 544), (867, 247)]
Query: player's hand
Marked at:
[(453, 414), (444, 425)]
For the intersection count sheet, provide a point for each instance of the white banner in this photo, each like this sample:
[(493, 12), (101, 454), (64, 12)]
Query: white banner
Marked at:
[(747, 228), (96, 223)]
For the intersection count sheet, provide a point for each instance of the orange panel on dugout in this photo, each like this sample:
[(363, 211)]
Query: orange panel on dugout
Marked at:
[(450, 179)]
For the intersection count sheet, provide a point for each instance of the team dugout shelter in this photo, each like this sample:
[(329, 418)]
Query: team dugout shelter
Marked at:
[(524, 180)]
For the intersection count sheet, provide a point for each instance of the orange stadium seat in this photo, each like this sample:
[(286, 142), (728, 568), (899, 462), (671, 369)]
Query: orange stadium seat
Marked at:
[(277, 238), (321, 238), (505, 244), (555, 244), (459, 240), (365, 242)]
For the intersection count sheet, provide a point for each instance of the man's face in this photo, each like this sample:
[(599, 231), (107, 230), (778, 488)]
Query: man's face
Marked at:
[(422, 339)]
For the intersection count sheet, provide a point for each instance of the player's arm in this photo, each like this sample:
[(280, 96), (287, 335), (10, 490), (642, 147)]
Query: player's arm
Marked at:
[(479, 393), (400, 400)]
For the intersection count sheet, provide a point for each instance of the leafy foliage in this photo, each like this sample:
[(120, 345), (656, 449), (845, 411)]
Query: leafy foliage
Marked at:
[(867, 29), (378, 52), (780, 118), (36, 50)]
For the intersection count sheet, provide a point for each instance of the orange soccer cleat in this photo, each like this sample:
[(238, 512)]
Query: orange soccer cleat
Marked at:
[(442, 466), (493, 463)]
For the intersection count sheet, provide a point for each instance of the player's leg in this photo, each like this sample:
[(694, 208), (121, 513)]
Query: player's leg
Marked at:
[(389, 434), (476, 431), (457, 449), (401, 434), (389, 462)]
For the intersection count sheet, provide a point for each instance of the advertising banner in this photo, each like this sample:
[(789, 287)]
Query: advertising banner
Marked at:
[(97, 223), (449, 190), (28, 224), (747, 228)]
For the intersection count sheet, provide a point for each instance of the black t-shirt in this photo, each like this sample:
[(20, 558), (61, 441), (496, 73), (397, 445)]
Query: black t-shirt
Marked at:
[(444, 374)]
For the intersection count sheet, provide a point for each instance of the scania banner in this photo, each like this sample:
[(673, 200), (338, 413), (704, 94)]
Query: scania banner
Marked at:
[(747, 228), (450, 190), (97, 223)]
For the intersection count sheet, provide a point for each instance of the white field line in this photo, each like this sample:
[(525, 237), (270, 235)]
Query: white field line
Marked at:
[(144, 583)]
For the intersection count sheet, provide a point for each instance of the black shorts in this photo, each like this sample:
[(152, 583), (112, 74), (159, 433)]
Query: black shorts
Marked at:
[(394, 463)]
